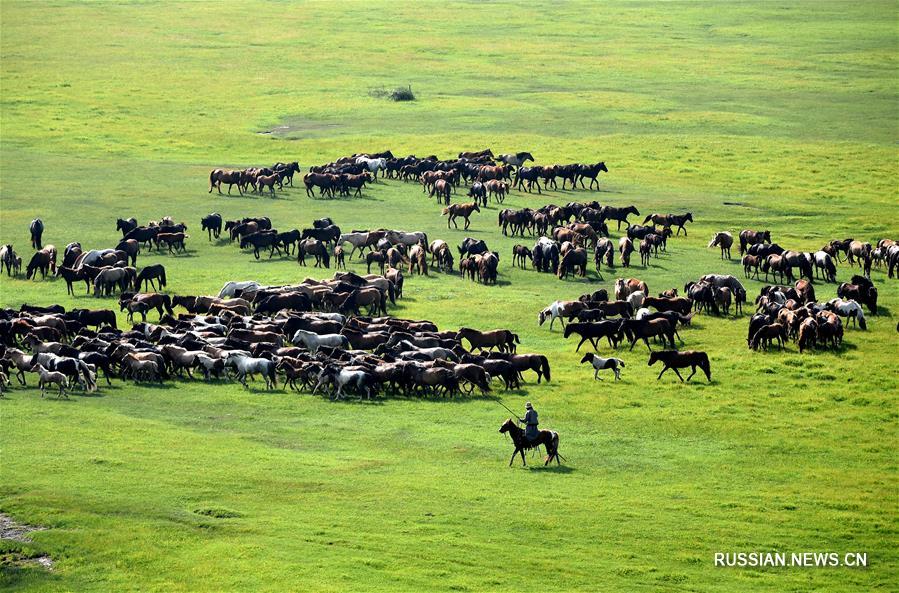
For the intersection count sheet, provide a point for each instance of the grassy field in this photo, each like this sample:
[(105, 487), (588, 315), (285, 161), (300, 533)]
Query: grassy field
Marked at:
[(780, 116)]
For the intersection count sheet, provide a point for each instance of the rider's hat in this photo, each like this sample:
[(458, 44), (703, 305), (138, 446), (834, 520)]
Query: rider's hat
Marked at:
[(528, 406)]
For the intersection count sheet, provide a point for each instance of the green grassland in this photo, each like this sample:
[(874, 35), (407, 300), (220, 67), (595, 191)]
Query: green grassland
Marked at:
[(773, 115)]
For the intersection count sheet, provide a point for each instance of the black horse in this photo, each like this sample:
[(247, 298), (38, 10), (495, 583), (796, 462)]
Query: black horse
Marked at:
[(547, 438), (37, 231), (213, 224)]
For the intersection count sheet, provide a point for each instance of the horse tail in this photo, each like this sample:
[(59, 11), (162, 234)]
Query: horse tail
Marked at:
[(211, 180), (515, 338), (391, 293), (167, 302), (860, 317), (647, 219), (445, 211), (162, 281), (544, 365)]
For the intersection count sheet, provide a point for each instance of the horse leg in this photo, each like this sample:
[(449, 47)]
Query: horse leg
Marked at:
[(583, 339), (693, 373), (676, 372)]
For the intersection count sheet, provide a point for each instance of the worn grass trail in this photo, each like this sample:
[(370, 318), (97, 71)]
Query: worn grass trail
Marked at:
[(780, 117)]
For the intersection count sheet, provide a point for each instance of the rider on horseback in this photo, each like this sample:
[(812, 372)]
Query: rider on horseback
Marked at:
[(530, 421)]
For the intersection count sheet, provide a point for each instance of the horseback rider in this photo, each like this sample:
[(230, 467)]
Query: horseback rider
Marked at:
[(530, 422)]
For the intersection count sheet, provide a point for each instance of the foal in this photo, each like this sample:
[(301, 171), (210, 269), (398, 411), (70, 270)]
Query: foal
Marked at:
[(48, 377), (603, 363)]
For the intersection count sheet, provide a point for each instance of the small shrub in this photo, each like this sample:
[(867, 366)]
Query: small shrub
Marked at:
[(398, 94)]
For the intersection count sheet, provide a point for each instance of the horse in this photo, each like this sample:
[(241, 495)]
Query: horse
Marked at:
[(547, 438), (626, 248), (326, 182), (342, 377), (600, 364), (637, 330), (286, 170), (260, 240), (219, 176), (594, 332), (232, 289), (328, 234), (43, 260), (624, 287), (476, 155), (559, 310), (516, 159), (313, 341), (443, 190), (674, 360), (530, 174), (750, 263), (591, 172), (37, 231), (126, 225), (849, 309), (372, 165), (269, 181), (51, 377), (174, 241), (618, 214), (148, 274), (724, 241), (109, 278), (671, 220), (767, 334), (520, 256), (213, 224), (246, 365), (7, 258), (500, 338), (749, 237), (316, 249)]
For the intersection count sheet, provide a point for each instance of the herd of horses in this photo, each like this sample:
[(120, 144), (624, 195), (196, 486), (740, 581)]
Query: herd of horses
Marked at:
[(336, 336), (309, 336)]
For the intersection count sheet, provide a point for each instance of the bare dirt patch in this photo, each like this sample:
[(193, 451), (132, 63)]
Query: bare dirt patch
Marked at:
[(19, 556)]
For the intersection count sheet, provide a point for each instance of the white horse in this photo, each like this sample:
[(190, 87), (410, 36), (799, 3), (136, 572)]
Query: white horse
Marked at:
[(636, 299), (231, 289), (313, 341), (50, 378), (247, 365), (432, 353), (603, 363), (849, 309), (357, 240), (372, 165), (405, 238), (641, 313), (340, 377)]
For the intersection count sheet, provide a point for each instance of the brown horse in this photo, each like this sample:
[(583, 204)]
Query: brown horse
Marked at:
[(671, 220), (499, 338), (547, 438), (723, 240), (674, 360), (219, 176), (269, 181), (454, 211), (749, 237)]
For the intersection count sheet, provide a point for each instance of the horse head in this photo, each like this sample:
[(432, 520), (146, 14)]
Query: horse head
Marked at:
[(508, 426)]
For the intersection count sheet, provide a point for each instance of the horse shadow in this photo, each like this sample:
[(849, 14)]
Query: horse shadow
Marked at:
[(552, 469)]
